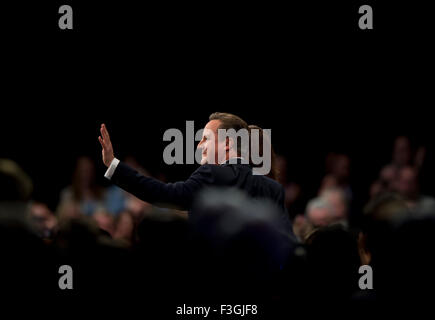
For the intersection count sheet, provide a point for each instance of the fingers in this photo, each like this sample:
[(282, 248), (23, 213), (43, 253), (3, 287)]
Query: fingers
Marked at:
[(101, 142), (102, 131), (105, 133)]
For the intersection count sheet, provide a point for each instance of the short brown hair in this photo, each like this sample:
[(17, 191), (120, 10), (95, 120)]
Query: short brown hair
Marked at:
[(274, 172), (230, 121)]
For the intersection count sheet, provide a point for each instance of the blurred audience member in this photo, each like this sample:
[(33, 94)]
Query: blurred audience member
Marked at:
[(43, 220), (317, 214), (84, 189), (407, 186), (328, 181), (105, 221), (115, 200), (320, 213), (329, 208), (124, 227), (68, 209), (337, 199), (337, 174), (301, 227), (26, 261), (420, 156), (402, 153), (15, 191), (293, 192), (137, 208), (401, 157)]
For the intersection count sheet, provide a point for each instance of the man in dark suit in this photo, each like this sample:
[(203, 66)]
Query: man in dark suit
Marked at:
[(222, 165)]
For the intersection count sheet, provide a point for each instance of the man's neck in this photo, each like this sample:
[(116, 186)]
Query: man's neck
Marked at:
[(228, 159)]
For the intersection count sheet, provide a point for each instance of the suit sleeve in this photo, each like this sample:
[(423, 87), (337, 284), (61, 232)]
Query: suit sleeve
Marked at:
[(148, 189)]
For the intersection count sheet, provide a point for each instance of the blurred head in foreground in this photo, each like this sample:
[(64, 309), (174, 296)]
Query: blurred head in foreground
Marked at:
[(380, 216), (242, 241), (24, 269), (15, 191), (332, 262), (399, 246)]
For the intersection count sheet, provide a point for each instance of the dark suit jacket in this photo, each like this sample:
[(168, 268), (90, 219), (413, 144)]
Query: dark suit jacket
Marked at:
[(182, 193)]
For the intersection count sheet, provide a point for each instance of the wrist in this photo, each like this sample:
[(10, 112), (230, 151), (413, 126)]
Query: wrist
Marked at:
[(111, 168), (109, 162)]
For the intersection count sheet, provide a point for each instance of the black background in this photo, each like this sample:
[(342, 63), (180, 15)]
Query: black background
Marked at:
[(303, 69)]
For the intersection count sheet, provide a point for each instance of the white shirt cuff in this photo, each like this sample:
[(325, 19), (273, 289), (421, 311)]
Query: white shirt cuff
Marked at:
[(111, 169)]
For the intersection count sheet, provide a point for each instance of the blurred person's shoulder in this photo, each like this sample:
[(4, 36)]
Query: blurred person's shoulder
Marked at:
[(66, 194), (425, 205)]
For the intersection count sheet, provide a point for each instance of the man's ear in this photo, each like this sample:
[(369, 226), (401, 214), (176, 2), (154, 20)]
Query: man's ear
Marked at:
[(229, 145)]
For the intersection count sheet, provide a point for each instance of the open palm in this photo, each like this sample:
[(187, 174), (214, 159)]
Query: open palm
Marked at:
[(107, 151)]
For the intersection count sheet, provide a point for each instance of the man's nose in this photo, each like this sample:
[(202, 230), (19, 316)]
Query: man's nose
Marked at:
[(200, 144)]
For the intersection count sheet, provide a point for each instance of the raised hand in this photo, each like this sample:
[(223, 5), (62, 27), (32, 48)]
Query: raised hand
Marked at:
[(107, 151)]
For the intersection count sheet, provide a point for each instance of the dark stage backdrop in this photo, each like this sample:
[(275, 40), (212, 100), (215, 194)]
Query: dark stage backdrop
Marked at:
[(304, 70)]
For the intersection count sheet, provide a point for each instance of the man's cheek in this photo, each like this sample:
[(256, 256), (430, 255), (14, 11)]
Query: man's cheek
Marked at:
[(210, 158)]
